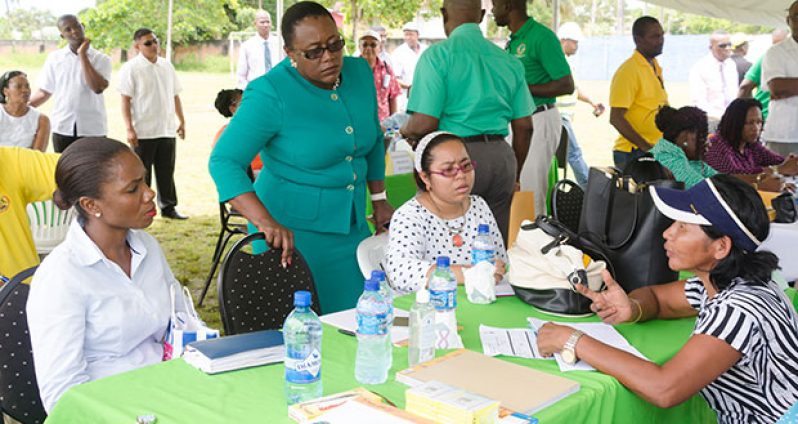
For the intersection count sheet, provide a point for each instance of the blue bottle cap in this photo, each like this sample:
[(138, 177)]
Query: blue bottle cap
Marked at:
[(483, 229), (443, 261), (371, 285), (378, 275), (302, 298)]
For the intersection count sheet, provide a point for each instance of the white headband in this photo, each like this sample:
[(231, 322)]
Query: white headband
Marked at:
[(422, 145)]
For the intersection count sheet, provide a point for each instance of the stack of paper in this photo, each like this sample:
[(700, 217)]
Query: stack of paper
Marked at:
[(444, 403), (347, 320), (236, 352), (350, 407)]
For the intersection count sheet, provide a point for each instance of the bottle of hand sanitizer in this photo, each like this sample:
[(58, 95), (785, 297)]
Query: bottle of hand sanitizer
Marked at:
[(421, 346)]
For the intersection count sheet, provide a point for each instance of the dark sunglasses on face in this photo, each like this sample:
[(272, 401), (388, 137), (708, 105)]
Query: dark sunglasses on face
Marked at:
[(149, 43), (372, 45), (316, 53), (724, 45)]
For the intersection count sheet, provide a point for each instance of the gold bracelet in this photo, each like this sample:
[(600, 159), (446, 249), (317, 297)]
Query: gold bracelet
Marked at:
[(639, 308)]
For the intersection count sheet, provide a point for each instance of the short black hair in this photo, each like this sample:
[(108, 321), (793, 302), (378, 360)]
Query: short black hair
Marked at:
[(753, 267), (641, 24), (296, 13), (141, 32), (224, 99), (63, 18), (5, 80), (733, 120), (426, 156)]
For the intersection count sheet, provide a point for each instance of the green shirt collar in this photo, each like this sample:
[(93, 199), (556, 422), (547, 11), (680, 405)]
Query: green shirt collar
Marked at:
[(525, 28), (466, 30)]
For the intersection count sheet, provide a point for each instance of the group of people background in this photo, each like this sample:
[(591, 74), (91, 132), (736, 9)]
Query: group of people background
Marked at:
[(314, 121)]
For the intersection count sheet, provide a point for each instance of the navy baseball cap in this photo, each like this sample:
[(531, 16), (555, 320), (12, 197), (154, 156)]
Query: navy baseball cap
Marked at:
[(702, 204)]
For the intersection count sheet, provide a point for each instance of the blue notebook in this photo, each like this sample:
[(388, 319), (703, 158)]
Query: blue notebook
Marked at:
[(236, 352)]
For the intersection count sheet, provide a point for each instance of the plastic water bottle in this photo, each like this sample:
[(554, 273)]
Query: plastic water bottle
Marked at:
[(421, 346), (483, 248), (373, 348), (302, 336), (387, 295), (443, 296)]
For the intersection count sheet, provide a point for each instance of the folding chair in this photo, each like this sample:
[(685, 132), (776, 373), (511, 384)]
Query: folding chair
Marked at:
[(227, 230), (566, 203)]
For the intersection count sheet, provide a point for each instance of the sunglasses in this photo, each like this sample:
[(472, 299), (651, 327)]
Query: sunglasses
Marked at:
[(372, 45), (149, 43), (452, 171), (724, 45), (318, 52)]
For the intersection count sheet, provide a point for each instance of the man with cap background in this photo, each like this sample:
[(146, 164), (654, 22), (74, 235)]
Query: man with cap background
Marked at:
[(388, 90), (570, 35), (713, 79), (547, 76), (260, 53), (404, 59), (468, 86), (780, 74), (739, 42)]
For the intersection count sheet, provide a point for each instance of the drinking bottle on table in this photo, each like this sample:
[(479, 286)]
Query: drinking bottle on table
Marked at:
[(373, 339), (443, 296), (421, 345), (387, 294), (483, 249), (302, 336)]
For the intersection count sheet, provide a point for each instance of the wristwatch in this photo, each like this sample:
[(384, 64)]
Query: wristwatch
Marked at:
[(568, 352)]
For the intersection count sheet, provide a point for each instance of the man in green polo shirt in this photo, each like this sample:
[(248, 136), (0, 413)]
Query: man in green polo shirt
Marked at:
[(469, 87), (547, 76)]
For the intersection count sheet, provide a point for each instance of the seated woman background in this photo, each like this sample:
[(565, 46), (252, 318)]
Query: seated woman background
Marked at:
[(442, 220), (736, 148), (99, 303), (681, 149), (226, 103), (743, 354), (20, 124)]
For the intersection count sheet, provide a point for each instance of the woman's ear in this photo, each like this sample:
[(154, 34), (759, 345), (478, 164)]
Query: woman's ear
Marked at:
[(89, 205), (721, 247), (425, 178)]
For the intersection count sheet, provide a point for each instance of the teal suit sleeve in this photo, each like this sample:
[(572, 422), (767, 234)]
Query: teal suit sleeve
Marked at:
[(258, 119)]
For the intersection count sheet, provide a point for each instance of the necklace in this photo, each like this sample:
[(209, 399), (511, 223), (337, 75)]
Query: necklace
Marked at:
[(455, 231), (337, 83)]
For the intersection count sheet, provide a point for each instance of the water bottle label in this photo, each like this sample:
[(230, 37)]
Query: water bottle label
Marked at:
[(479, 255), (427, 336), (372, 324), (443, 299), (303, 370)]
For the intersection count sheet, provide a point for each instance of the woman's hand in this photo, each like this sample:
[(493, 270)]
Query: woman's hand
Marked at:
[(552, 338), (773, 183), (382, 215), (278, 237), (498, 273), (789, 166), (611, 305)]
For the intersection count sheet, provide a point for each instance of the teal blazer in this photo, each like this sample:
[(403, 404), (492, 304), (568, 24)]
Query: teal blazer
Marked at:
[(319, 147)]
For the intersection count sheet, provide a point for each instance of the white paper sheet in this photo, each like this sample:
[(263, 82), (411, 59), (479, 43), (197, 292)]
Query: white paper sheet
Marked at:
[(604, 333), (518, 342), (357, 413), (504, 289), (347, 320)]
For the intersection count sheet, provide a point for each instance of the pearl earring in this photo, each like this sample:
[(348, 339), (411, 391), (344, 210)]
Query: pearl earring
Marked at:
[(293, 63), (98, 214)]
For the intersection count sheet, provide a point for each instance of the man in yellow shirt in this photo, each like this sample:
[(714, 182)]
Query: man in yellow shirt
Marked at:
[(25, 176), (637, 92)]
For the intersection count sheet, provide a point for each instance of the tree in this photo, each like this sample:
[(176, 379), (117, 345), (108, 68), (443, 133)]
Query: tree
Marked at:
[(26, 22)]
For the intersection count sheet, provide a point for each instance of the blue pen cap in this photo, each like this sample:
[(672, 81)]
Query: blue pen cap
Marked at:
[(443, 261), (302, 298), (483, 229), (371, 285), (378, 275)]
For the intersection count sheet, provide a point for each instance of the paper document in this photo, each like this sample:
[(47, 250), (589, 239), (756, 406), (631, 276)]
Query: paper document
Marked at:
[(354, 412), (504, 289), (518, 342), (604, 333), (347, 320)]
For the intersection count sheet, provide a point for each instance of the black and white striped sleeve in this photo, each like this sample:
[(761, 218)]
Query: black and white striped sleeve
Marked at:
[(694, 292), (730, 323)]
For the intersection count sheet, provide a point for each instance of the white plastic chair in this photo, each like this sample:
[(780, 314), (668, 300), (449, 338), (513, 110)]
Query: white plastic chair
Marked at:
[(48, 225), (370, 253)]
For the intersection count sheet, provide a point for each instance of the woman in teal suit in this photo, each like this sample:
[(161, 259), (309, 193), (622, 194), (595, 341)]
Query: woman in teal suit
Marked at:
[(313, 119)]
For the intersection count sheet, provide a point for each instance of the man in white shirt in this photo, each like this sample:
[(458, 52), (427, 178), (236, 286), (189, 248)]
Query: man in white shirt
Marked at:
[(77, 75), (404, 59), (150, 102), (260, 53), (714, 79), (780, 73)]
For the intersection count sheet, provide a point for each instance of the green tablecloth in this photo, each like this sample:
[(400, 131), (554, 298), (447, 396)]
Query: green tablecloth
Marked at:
[(177, 393)]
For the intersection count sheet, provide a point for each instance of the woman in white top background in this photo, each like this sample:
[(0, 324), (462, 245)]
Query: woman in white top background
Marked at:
[(443, 218), (99, 304), (20, 124)]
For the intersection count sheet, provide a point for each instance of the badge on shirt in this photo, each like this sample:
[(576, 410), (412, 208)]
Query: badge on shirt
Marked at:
[(520, 50), (5, 203)]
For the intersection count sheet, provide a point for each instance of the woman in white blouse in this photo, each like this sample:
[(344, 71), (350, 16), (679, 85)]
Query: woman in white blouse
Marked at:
[(442, 219), (99, 303), (20, 124)]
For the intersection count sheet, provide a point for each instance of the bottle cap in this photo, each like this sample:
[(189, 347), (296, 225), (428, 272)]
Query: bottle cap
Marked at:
[(302, 298), (371, 285), (422, 296), (378, 275), (483, 229), (443, 261)]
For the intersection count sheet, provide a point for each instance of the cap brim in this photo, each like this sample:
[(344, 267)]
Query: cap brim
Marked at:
[(676, 205)]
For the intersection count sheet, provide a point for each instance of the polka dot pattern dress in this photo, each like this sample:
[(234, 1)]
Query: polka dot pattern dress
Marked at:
[(418, 237)]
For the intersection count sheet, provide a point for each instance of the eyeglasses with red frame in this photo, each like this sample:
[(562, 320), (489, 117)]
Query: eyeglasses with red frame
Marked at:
[(452, 171)]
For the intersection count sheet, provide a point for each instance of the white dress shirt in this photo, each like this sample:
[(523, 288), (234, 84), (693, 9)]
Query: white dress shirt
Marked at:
[(152, 88), (713, 85), (781, 61), (251, 59), (88, 320), (75, 103), (18, 131), (404, 59)]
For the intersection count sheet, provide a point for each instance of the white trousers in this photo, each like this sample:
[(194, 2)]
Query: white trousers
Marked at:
[(547, 129)]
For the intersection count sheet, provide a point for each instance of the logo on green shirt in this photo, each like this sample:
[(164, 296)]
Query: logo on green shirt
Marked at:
[(520, 50)]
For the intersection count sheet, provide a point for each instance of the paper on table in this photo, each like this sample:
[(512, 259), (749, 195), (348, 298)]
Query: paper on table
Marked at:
[(518, 342), (504, 289), (604, 333), (347, 320), (353, 412)]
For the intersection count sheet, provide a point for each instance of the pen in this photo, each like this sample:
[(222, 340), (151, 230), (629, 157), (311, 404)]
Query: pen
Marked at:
[(347, 332)]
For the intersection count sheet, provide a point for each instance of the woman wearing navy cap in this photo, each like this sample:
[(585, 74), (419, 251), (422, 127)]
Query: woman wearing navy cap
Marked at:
[(743, 354)]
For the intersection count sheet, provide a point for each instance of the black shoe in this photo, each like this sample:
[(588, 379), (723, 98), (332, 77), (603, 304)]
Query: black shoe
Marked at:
[(172, 213)]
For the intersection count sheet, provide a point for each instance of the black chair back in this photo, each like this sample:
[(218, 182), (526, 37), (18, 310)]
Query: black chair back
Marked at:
[(232, 223), (566, 203), (256, 292), (19, 392)]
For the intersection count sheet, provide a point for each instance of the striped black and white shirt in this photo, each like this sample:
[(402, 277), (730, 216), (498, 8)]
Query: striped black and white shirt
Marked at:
[(761, 324)]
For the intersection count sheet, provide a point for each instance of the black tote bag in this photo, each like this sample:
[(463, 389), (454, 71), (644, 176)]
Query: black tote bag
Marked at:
[(628, 226)]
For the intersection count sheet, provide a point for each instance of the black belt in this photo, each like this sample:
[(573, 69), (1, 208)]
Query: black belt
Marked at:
[(544, 107), (483, 138)]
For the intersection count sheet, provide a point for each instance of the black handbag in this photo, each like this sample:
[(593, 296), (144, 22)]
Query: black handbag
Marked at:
[(620, 216), (784, 205)]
